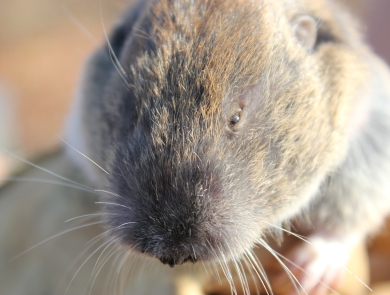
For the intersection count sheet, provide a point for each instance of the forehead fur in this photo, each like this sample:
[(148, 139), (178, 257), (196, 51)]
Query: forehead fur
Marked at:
[(191, 48)]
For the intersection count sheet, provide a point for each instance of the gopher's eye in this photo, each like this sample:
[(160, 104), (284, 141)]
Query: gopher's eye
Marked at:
[(235, 119)]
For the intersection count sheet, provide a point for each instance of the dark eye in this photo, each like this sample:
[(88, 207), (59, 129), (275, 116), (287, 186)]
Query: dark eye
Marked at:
[(235, 119)]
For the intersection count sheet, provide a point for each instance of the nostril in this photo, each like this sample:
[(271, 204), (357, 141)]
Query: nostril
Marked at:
[(190, 258), (193, 259), (169, 261), (172, 262)]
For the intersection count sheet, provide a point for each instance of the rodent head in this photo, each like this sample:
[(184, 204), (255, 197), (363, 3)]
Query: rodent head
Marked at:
[(228, 121)]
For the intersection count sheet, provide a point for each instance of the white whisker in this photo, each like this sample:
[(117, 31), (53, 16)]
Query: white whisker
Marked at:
[(114, 204), (113, 276), (86, 215), (89, 159), (78, 24), (241, 275), (357, 278), (307, 241), (259, 268), (305, 272), (218, 259), (85, 261), (291, 233), (120, 265), (97, 261), (45, 170), (111, 52), (204, 266), (226, 271), (55, 236), (127, 254), (216, 271), (193, 249), (246, 284), (110, 193), (126, 272), (294, 280), (86, 250), (47, 181), (250, 266), (109, 230)]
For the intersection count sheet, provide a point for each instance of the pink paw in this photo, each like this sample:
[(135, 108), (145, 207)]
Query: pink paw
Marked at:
[(318, 268)]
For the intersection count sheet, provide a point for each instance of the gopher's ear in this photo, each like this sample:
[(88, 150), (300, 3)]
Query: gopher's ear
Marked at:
[(305, 31)]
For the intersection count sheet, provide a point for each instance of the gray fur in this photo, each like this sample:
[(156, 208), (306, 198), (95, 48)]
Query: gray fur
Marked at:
[(189, 184)]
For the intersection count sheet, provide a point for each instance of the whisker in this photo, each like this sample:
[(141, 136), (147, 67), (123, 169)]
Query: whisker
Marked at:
[(218, 259), (258, 266), (294, 280), (87, 215), (250, 267), (204, 266), (357, 278), (110, 278), (78, 24), (291, 233), (307, 241), (121, 280), (86, 250), (193, 249), (248, 260), (85, 261), (215, 268), (126, 255), (111, 229), (304, 271), (55, 236), (113, 276), (126, 272), (113, 57), (242, 278), (93, 270), (98, 236), (47, 181), (45, 170), (89, 159), (114, 204), (226, 270), (110, 193)]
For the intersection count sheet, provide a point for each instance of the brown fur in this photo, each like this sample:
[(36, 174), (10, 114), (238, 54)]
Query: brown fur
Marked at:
[(189, 179), (185, 184)]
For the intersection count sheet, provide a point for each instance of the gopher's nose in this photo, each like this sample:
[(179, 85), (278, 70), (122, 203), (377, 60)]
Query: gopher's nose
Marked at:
[(177, 260)]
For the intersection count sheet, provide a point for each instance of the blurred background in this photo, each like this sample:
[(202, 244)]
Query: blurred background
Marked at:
[(42, 47)]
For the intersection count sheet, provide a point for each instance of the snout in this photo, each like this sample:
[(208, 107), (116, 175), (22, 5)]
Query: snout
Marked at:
[(174, 213), (174, 239), (177, 259)]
